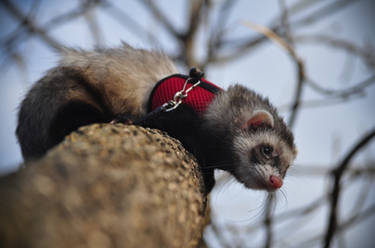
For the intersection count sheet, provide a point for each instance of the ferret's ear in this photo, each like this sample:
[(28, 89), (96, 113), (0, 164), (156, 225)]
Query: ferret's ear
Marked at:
[(259, 118)]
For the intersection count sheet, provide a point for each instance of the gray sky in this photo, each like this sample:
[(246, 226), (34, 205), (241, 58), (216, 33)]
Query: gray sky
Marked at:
[(323, 135)]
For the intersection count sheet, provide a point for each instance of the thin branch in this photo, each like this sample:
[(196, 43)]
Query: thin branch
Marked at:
[(335, 193), (21, 34), (303, 211), (219, 236), (31, 26), (296, 212), (357, 218), (365, 54), (285, 23), (92, 22), (363, 215), (298, 62), (268, 221), (194, 17), (8, 44), (129, 23), (73, 14), (159, 16), (345, 93), (188, 37), (314, 170), (362, 197), (218, 30), (323, 12), (302, 5), (326, 102), (270, 34), (293, 213), (240, 47)]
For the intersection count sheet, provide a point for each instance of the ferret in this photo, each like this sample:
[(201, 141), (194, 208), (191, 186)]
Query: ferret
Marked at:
[(238, 130)]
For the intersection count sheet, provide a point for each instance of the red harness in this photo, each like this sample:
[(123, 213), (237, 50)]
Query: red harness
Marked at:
[(198, 98)]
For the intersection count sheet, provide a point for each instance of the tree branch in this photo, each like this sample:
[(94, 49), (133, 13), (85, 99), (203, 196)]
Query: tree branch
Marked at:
[(92, 22), (335, 193), (365, 54), (159, 16), (31, 26), (106, 186)]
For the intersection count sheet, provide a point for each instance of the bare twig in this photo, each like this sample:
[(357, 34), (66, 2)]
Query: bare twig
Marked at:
[(335, 96), (217, 33), (21, 34), (345, 93), (188, 38), (67, 17), (293, 213), (298, 62), (11, 39), (240, 47), (317, 103), (31, 25), (219, 236), (92, 22), (285, 23), (314, 170), (322, 12), (159, 16), (363, 215), (362, 197), (268, 221), (365, 54), (129, 23), (357, 218), (335, 193)]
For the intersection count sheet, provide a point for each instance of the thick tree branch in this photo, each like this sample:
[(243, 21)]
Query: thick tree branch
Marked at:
[(105, 186)]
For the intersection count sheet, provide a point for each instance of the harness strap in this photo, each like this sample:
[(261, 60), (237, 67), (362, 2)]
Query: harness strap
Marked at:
[(198, 98)]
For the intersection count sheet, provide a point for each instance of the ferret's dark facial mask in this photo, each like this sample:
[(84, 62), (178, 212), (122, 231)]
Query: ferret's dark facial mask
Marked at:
[(263, 159), (263, 156)]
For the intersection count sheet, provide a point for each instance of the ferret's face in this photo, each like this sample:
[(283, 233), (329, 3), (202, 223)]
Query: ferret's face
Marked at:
[(263, 159), (263, 156)]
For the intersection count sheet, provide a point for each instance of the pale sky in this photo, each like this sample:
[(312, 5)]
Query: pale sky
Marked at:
[(323, 135)]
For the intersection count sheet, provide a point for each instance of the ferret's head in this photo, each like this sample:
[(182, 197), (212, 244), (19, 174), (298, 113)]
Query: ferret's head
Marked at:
[(264, 151), (262, 146)]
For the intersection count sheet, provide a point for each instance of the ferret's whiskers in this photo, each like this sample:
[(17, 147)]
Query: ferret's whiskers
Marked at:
[(284, 195)]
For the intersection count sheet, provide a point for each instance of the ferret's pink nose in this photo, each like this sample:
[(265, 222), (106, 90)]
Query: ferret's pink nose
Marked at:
[(276, 182)]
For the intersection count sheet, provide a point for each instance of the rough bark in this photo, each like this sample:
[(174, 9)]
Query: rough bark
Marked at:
[(105, 186)]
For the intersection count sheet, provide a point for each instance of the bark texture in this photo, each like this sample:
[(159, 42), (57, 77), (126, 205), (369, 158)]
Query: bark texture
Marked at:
[(105, 186)]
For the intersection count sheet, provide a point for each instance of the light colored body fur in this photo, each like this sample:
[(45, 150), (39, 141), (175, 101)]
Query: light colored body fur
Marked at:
[(124, 75)]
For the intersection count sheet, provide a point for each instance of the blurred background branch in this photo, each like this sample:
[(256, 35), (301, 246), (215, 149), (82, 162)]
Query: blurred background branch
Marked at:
[(206, 37)]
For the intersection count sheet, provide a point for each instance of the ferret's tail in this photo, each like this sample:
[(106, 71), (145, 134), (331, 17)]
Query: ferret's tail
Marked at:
[(57, 104)]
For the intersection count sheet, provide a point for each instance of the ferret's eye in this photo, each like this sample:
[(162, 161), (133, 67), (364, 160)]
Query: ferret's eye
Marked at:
[(267, 151)]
